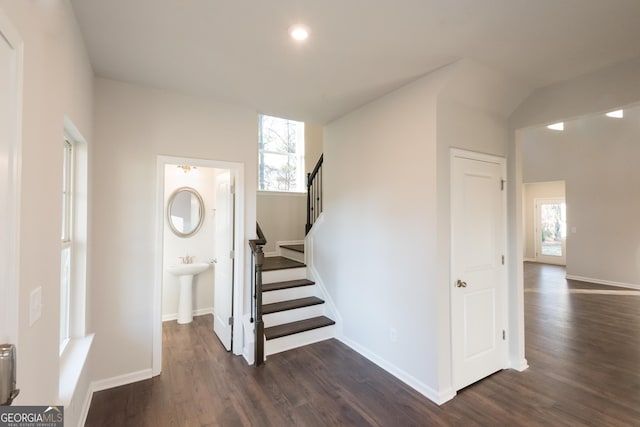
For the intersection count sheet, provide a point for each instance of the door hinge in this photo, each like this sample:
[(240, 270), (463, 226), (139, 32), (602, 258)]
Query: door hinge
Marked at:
[(230, 320), (232, 254), (502, 181), (232, 189), (504, 335), (502, 259)]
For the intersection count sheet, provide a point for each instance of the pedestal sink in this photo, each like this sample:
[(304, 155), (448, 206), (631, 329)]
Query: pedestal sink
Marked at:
[(185, 273)]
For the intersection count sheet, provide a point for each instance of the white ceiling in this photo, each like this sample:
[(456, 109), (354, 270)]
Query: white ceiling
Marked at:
[(239, 51)]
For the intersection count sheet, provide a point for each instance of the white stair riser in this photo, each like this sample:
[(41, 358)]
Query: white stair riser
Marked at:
[(287, 294), (284, 275), (294, 255), (294, 315), (298, 340)]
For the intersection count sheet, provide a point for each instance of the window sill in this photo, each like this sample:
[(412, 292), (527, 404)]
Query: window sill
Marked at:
[(282, 193), (72, 362)]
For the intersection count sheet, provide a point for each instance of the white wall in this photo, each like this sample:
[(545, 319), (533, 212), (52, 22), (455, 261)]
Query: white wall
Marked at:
[(281, 217), (313, 145), (133, 125), (597, 157), (376, 251), (531, 192), (383, 251), (57, 82), (201, 245)]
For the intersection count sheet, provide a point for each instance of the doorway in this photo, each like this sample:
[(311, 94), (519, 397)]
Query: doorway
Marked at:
[(551, 231), (478, 272), (544, 216), (199, 233)]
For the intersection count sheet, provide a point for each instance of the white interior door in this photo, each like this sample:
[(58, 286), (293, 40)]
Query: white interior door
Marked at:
[(224, 229), (478, 294), (10, 95), (551, 231)]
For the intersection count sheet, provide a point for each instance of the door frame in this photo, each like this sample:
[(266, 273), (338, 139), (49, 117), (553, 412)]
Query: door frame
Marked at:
[(504, 311), (10, 290), (546, 259), (237, 172)]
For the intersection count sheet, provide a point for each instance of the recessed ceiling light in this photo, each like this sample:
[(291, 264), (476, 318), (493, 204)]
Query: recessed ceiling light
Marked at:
[(618, 114), (299, 32), (556, 126)]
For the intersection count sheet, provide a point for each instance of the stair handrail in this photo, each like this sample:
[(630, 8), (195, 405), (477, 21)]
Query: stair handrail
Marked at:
[(314, 194), (256, 291)]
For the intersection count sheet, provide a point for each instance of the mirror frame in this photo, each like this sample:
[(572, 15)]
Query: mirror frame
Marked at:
[(172, 198)]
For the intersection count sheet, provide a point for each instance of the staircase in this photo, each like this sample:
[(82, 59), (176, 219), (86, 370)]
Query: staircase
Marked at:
[(292, 310), (287, 309)]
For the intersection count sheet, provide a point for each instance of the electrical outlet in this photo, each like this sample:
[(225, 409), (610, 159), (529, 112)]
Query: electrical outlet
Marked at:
[(35, 305), (393, 334)]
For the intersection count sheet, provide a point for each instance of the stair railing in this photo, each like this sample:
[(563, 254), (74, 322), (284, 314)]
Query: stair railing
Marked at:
[(256, 291), (314, 195)]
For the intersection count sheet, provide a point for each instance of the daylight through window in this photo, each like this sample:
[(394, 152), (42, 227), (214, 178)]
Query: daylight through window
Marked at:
[(280, 155)]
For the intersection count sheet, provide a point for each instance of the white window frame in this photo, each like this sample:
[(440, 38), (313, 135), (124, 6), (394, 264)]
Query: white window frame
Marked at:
[(298, 158), (66, 276), (75, 347)]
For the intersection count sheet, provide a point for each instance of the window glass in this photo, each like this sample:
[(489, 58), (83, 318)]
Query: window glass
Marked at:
[(280, 155)]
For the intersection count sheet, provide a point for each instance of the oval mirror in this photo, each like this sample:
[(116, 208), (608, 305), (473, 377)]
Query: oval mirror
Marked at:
[(185, 212)]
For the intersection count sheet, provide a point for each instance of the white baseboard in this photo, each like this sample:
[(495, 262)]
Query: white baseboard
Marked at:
[(519, 365), (438, 398), (198, 312), (120, 380), (529, 260), (84, 412), (271, 254), (602, 282)]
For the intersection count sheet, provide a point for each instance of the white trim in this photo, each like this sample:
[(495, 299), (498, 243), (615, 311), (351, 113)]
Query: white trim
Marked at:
[(10, 298), (120, 380), (529, 260), (314, 275), (280, 243), (473, 155), (282, 193), (86, 405), (271, 254), (438, 397), (72, 363), (602, 282), (520, 365), (198, 312), (240, 275)]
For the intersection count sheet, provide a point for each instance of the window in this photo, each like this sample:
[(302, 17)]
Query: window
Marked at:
[(67, 243), (280, 155)]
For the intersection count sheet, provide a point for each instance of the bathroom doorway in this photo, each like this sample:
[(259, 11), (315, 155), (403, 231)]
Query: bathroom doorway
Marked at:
[(198, 270)]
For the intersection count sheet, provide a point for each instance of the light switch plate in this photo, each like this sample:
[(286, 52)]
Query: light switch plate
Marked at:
[(35, 305)]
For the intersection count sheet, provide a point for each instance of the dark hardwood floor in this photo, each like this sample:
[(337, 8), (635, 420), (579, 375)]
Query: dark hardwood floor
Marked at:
[(583, 348)]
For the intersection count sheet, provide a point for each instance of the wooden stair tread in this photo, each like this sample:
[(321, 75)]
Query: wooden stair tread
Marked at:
[(276, 286), (285, 329), (296, 248), (290, 304), (280, 263)]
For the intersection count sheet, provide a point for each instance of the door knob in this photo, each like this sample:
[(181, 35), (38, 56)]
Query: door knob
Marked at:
[(461, 284)]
